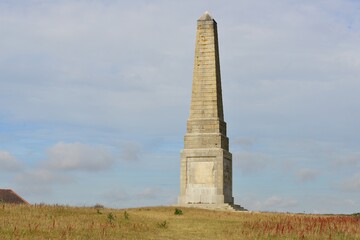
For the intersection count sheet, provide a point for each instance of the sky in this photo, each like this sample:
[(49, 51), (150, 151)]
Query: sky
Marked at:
[(94, 98)]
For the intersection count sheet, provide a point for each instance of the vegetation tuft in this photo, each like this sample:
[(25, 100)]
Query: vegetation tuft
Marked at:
[(98, 205), (178, 211), (163, 224), (126, 215), (110, 217)]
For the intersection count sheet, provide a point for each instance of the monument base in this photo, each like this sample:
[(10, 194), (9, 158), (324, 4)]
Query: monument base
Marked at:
[(205, 177), (219, 207)]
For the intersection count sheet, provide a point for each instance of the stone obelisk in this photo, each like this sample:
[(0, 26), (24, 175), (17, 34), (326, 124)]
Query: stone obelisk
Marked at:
[(206, 163)]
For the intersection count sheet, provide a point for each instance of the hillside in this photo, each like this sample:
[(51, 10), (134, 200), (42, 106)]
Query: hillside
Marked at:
[(64, 222)]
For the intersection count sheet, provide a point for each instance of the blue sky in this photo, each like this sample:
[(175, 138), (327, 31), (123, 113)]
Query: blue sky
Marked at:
[(94, 98)]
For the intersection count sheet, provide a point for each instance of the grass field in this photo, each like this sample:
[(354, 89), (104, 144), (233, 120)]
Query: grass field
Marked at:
[(64, 222)]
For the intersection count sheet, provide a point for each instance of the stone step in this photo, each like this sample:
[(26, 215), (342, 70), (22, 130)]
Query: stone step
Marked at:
[(237, 207), (219, 207)]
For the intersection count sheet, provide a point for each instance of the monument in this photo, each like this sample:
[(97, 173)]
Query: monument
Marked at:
[(206, 163)]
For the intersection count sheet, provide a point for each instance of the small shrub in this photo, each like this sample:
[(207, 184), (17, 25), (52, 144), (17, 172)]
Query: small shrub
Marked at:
[(110, 217), (163, 224), (178, 211), (126, 215), (98, 205)]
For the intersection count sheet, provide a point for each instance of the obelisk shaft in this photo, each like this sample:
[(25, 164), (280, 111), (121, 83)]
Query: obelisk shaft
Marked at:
[(206, 108), (206, 100)]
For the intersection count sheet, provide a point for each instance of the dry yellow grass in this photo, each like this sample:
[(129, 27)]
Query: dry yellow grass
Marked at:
[(63, 222)]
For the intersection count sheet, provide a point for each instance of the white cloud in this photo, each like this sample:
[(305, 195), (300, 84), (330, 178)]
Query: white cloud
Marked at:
[(272, 203), (350, 202), (9, 162), (44, 178), (352, 183), (349, 160), (40, 181), (132, 197), (119, 67), (244, 142), (149, 193), (276, 202), (116, 195), (250, 162), (78, 156), (130, 151), (41, 176), (307, 174)]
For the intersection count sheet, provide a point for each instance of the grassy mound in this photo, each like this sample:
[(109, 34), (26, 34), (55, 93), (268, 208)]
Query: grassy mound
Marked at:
[(64, 222)]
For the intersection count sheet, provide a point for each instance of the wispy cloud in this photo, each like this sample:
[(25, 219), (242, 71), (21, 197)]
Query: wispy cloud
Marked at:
[(63, 161), (130, 151), (250, 162), (9, 162), (244, 142), (40, 181), (352, 183), (348, 160), (132, 197), (307, 174), (78, 156), (149, 193), (270, 203), (276, 202), (116, 195)]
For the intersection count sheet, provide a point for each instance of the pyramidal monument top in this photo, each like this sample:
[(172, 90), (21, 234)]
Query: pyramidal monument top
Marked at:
[(205, 17)]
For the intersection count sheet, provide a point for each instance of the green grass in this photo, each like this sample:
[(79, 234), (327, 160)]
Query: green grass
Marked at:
[(64, 222)]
